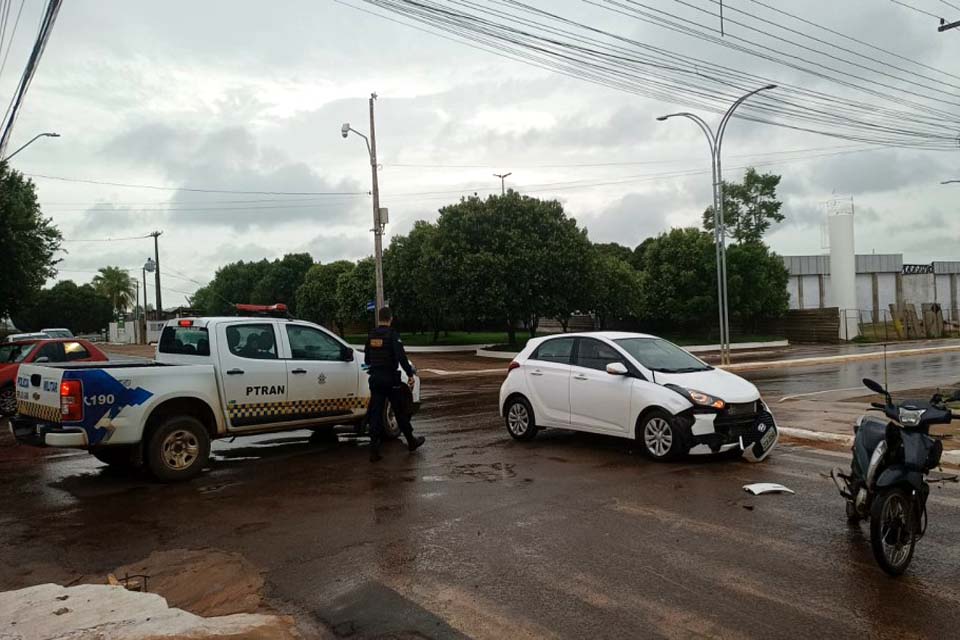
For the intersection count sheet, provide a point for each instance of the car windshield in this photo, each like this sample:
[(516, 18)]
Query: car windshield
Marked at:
[(15, 352), (659, 355)]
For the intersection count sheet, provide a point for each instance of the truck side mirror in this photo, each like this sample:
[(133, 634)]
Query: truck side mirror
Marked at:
[(346, 354)]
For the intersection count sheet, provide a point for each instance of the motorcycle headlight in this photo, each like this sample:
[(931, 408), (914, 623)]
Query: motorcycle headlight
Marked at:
[(911, 417), (699, 398)]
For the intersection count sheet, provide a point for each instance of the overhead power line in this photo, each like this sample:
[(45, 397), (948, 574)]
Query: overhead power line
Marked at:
[(917, 9), (191, 190), (13, 32)]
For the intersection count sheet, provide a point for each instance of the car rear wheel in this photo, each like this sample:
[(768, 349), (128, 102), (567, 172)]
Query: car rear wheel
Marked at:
[(519, 419), (659, 437), (178, 449), (8, 401)]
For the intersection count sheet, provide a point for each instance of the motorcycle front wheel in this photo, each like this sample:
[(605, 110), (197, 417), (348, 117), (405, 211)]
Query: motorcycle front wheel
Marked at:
[(892, 530)]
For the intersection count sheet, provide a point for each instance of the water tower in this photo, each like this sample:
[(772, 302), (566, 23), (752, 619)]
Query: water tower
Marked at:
[(843, 266)]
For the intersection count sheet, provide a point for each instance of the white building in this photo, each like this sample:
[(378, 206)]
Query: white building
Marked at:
[(882, 280)]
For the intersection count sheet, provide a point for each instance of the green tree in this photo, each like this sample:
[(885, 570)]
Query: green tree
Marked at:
[(615, 290), (117, 286), (749, 207), (79, 308), (756, 285), (233, 283), (678, 280), (281, 279), (511, 258), (317, 296), (28, 242), (356, 288)]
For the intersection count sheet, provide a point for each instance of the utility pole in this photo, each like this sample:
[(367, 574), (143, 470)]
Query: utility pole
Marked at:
[(377, 223), (503, 177), (143, 317), (156, 274)]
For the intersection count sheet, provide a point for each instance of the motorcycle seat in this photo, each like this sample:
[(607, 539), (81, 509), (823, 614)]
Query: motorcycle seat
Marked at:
[(871, 433)]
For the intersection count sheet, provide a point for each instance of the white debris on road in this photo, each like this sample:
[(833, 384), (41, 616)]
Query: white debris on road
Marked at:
[(759, 488), (113, 613)]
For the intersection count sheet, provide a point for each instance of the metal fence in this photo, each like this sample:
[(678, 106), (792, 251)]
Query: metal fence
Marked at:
[(909, 322)]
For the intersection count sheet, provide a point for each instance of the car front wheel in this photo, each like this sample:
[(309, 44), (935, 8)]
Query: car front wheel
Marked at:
[(519, 420), (659, 436)]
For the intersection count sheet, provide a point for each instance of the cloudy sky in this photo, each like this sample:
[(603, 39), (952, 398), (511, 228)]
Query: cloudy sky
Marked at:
[(234, 96)]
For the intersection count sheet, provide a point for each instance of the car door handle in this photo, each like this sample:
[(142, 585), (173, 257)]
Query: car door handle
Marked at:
[(580, 377), (299, 371), (536, 372), (235, 372)]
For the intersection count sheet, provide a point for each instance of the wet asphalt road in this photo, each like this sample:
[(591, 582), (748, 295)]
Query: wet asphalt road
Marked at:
[(568, 536)]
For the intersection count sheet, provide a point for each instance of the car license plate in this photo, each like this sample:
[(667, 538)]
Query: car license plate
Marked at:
[(768, 438)]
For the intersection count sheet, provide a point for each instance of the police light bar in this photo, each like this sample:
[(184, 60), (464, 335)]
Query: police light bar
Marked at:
[(279, 309)]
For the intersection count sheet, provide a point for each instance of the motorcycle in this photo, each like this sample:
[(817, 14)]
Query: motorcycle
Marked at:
[(887, 483)]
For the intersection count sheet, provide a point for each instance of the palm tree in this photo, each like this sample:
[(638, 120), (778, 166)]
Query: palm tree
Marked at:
[(117, 285)]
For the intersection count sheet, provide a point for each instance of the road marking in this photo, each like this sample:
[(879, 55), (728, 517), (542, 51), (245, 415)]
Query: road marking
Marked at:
[(849, 357), (473, 372), (816, 393)]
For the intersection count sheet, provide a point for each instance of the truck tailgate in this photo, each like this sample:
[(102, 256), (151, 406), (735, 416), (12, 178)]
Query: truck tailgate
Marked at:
[(38, 392)]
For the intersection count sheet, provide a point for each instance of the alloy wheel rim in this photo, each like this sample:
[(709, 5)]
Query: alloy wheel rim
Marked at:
[(658, 436), (895, 531), (180, 449), (518, 419)]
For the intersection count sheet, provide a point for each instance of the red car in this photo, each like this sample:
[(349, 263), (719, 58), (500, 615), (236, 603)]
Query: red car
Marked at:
[(12, 354)]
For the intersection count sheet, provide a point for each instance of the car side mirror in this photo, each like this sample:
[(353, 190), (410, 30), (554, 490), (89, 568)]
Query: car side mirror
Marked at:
[(617, 369), (42, 359), (346, 354)]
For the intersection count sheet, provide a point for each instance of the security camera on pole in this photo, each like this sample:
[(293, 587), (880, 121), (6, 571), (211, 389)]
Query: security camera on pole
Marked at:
[(380, 216)]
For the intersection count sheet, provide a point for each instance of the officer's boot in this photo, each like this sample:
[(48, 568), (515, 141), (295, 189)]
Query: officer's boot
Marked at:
[(414, 442)]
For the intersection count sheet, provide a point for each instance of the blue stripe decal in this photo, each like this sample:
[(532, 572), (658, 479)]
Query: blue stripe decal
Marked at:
[(102, 395)]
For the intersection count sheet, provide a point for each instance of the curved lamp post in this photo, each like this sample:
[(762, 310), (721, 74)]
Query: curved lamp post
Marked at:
[(715, 142)]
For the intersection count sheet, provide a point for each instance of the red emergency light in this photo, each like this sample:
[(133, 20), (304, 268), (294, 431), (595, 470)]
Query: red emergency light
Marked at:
[(185, 323), (278, 309)]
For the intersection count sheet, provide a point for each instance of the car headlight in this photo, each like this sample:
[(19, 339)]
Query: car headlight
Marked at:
[(911, 417), (699, 398)]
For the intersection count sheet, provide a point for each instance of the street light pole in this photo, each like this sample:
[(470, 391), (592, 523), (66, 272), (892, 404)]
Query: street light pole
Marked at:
[(378, 221), (31, 141), (715, 142), (156, 274), (503, 177)]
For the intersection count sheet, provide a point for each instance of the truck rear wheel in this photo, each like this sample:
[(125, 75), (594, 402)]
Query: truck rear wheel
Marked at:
[(178, 449)]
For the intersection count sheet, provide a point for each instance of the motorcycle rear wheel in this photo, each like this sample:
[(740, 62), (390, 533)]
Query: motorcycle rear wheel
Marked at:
[(892, 530)]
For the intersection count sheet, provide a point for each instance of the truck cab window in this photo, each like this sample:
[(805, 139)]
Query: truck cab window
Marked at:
[(254, 341), (185, 341)]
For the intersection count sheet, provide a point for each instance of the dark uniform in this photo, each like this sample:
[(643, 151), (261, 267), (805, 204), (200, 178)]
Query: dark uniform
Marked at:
[(383, 355)]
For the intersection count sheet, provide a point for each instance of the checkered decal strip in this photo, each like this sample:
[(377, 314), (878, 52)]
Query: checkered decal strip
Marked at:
[(327, 405), (35, 410)]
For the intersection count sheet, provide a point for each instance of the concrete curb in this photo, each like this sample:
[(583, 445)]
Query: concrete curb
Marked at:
[(848, 357), (949, 457)]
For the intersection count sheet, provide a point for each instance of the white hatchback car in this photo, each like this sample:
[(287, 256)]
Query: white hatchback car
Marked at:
[(635, 386)]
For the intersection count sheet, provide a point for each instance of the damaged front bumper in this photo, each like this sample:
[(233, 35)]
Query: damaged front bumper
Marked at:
[(755, 437)]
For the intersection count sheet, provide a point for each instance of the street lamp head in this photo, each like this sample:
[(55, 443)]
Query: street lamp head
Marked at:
[(662, 118), (770, 86), (345, 129), (52, 135)]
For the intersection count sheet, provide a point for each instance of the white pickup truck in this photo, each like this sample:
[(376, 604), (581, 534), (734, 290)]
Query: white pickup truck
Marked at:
[(212, 378)]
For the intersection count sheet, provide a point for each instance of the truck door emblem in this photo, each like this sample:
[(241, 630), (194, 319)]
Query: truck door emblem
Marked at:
[(321, 379), (762, 427)]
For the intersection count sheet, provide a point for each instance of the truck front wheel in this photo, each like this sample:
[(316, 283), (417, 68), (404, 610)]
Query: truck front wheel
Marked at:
[(178, 449)]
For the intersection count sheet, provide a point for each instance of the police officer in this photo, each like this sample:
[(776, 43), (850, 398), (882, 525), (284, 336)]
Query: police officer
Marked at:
[(383, 354)]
